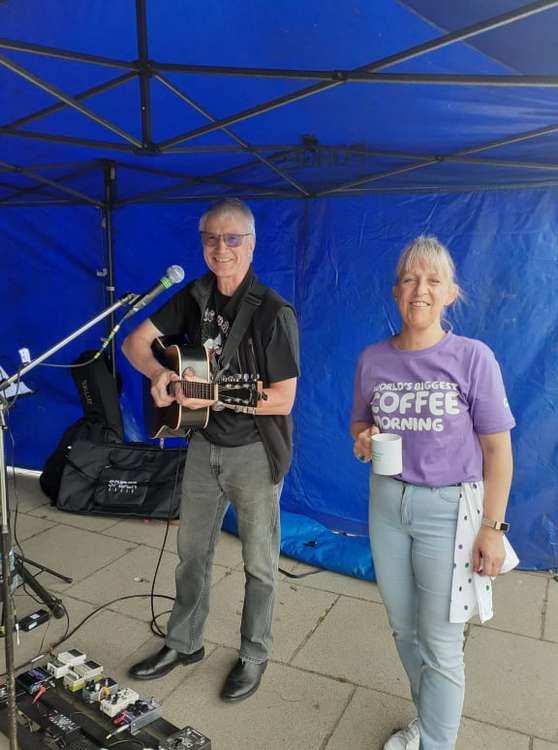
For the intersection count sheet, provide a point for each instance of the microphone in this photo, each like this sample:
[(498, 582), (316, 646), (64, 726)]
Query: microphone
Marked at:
[(174, 275)]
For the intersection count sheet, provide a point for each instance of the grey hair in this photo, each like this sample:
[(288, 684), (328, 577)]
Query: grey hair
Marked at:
[(430, 252), (229, 206)]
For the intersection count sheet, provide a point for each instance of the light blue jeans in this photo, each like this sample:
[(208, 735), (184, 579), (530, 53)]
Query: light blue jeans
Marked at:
[(213, 477), (413, 536)]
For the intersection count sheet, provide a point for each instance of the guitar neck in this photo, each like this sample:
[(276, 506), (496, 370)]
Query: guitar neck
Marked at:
[(191, 389)]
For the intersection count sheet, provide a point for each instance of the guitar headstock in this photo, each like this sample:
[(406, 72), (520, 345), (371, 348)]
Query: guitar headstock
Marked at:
[(243, 377), (240, 390)]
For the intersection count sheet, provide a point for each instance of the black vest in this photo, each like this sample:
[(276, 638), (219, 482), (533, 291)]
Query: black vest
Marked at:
[(275, 430)]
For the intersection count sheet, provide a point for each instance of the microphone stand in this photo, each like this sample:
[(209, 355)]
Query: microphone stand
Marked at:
[(5, 540)]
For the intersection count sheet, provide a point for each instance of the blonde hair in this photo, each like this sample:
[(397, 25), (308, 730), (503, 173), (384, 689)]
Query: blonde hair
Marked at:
[(428, 251)]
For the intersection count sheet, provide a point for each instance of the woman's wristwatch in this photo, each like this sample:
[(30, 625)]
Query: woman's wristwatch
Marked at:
[(497, 525)]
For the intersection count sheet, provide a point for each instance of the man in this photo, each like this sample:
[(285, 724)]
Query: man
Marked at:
[(239, 458)]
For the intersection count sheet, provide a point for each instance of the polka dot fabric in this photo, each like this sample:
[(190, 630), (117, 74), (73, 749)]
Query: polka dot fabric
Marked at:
[(471, 593)]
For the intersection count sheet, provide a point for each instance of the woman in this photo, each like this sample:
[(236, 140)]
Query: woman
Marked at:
[(444, 395)]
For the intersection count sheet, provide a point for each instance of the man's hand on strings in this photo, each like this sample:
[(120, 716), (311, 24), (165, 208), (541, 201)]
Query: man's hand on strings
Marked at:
[(192, 403), (159, 382)]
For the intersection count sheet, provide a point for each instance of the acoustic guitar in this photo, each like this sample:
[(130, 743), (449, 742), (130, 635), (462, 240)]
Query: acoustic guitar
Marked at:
[(240, 393)]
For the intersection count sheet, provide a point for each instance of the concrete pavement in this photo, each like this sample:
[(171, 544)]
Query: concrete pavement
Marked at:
[(334, 682)]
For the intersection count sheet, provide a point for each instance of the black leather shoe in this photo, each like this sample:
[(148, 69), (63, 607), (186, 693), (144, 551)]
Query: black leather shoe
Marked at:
[(163, 662), (243, 680)]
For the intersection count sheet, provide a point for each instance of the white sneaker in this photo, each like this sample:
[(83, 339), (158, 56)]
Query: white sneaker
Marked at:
[(405, 739)]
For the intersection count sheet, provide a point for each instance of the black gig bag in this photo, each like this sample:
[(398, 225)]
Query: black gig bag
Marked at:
[(134, 480), (85, 428)]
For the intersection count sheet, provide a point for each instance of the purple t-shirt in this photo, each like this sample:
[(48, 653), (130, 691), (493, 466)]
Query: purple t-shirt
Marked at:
[(439, 400)]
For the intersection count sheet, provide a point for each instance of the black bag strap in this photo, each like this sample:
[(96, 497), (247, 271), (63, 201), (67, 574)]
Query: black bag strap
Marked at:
[(250, 302)]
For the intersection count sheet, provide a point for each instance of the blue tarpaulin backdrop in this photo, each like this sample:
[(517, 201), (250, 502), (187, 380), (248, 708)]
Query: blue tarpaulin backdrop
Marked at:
[(339, 181)]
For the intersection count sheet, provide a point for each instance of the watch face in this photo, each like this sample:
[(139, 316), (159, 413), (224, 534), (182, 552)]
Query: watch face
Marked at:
[(504, 526)]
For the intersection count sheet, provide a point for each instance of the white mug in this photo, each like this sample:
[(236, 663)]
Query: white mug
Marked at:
[(387, 454)]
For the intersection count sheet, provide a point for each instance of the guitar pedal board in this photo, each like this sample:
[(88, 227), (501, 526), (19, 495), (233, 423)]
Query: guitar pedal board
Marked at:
[(69, 717)]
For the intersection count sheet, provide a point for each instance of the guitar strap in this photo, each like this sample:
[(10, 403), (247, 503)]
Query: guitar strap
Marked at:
[(250, 302)]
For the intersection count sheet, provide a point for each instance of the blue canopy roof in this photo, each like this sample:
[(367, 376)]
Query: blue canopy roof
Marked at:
[(282, 98)]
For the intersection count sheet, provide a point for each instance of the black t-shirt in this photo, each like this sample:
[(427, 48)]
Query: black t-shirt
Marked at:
[(227, 427)]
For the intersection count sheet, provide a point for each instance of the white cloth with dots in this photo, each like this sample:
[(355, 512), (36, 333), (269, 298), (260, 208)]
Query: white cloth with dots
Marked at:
[(471, 594)]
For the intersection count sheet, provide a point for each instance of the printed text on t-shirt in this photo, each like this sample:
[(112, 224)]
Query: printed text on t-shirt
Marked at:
[(417, 407)]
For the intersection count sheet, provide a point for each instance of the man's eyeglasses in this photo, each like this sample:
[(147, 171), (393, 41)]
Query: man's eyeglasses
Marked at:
[(230, 240)]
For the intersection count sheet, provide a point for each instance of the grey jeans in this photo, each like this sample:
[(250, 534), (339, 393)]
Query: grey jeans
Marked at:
[(213, 477)]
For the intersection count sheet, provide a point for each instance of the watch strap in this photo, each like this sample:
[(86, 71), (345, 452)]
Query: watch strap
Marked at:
[(497, 525)]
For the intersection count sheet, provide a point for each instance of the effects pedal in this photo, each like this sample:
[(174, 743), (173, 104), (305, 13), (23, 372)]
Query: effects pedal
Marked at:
[(138, 715), (72, 657), (57, 669), (96, 690), (76, 678), (118, 702), (89, 670), (33, 680), (186, 739), (141, 713)]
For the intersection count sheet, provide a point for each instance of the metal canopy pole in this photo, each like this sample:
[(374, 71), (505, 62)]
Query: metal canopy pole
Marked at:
[(70, 140), (40, 49), (69, 100), (213, 196), (144, 74), (195, 181), (461, 188), (46, 181), (42, 190), (100, 89), (411, 53), (215, 178), (109, 174), (246, 146), (350, 76), (457, 156)]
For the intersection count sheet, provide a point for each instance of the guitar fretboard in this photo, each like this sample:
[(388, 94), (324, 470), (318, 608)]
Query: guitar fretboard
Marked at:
[(191, 389)]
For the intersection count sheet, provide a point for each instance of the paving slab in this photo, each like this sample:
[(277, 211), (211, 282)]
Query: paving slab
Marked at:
[(296, 614), (512, 682), (109, 637), (354, 643), (149, 532), (325, 580), (551, 618), (369, 720), (130, 575), (133, 574), (26, 526), (515, 587), (292, 710), (475, 734), (25, 492), (74, 552), (80, 521), (372, 717), (542, 745)]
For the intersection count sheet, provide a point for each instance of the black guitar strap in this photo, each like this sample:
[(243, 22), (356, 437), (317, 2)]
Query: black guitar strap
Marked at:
[(250, 302)]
